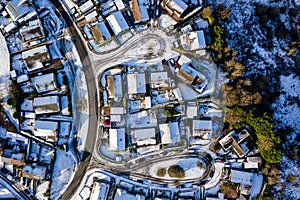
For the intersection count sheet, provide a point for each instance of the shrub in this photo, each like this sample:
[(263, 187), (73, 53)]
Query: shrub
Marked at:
[(176, 171), (200, 165), (161, 172)]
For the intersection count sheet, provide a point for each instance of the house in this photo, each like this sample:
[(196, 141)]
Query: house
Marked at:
[(119, 4), (100, 32), (184, 60), (136, 83), (99, 191), (169, 133), (117, 139), (46, 129), (35, 57), (22, 78), (46, 104), (91, 17), (36, 172), (17, 138), (175, 8), (33, 31), (114, 87), (17, 8), (191, 110), (241, 177), (144, 137), (44, 83), (193, 40), (202, 128), (191, 76), (27, 105), (108, 7), (140, 10), (13, 158), (85, 7), (159, 80), (117, 22)]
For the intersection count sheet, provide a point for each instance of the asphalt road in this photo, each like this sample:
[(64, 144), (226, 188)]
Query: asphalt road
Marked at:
[(92, 93)]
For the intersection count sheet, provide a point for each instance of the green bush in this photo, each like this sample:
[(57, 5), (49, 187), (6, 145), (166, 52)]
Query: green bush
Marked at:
[(161, 172), (176, 171)]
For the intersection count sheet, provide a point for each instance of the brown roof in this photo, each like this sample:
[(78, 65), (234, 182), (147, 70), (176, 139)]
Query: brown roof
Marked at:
[(97, 34), (136, 11)]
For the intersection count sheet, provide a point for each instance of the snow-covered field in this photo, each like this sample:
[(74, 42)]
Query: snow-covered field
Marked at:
[(264, 47), (189, 165)]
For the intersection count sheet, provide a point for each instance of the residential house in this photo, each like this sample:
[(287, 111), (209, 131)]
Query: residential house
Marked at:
[(136, 83), (175, 8), (191, 76), (99, 191), (241, 177), (85, 7), (193, 40), (159, 80), (202, 128), (46, 130), (17, 8), (44, 83), (117, 139), (36, 172), (144, 137), (33, 31), (117, 22), (169, 133), (114, 87), (100, 32), (140, 10), (46, 104), (35, 57), (11, 157)]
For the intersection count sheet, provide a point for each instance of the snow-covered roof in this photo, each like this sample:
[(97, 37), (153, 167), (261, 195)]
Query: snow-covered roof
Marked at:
[(17, 8), (136, 83), (184, 60), (175, 8), (119, 4), (117, 22), (196, 40), (117, 139), (15, 136), (27, 105), (22, 78), (103, 29), (86, 6), (250, 165), (116, 110), (34, 172), (46, 104), (241, 177), (32, 31), (92, 16), (35, 51), (44, 83), (47, 129), (115, 118), (202, 124), (159, 79), (46, 125), (64, 129), (99, 191), (144, 136), (191, 111), (29, 115), (169, 133)]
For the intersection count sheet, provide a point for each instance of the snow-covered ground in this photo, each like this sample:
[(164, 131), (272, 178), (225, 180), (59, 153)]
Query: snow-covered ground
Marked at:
[(5, 193), (64, 168), (189, 165)]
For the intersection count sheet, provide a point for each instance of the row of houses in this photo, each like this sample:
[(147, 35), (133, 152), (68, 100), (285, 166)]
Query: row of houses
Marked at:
[(37, 69), (100, 21), (129, 116)]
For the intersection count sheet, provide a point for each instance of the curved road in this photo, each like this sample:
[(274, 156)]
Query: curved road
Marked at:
[(92, 93)]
